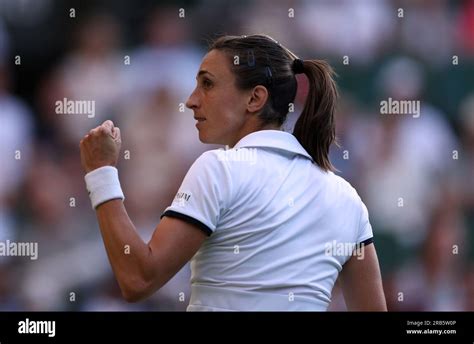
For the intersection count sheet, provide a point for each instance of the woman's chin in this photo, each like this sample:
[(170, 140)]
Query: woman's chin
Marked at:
[(208, 139), (203, 137)]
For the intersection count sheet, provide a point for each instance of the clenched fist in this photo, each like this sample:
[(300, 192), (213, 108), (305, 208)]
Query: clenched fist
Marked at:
[(101, 147)]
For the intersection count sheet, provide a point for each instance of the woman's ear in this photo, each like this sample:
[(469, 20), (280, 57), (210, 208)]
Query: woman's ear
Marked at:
[(258, 99)]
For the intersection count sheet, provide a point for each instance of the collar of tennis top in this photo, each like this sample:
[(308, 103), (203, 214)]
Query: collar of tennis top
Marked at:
[(275, 139)]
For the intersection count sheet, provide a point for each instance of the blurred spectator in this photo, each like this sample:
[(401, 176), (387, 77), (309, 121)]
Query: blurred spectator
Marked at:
[(358, 29), (278, 19), (93, 71), (426, 28), (168, 58), (435, 281)]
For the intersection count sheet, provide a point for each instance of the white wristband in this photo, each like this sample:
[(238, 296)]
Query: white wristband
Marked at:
[(103, 185)]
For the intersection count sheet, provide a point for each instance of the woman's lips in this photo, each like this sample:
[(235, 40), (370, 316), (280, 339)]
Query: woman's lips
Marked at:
[(199, 120)]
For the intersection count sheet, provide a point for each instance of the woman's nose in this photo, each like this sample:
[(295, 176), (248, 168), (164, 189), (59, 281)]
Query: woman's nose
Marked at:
[(192, 101)]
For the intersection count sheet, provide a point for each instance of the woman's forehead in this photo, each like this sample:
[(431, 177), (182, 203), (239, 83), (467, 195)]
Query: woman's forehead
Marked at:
[(216, 63)]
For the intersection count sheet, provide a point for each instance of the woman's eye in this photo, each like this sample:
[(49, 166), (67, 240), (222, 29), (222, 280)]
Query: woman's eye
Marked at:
[(206, 83)]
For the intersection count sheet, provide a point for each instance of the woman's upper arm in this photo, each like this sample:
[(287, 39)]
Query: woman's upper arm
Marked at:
[(173, 244), (361, 282)]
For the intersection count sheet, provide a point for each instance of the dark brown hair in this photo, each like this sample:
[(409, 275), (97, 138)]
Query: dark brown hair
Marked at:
[(260, 60)]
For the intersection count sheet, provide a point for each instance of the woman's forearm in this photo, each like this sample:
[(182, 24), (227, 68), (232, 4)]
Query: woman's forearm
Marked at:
[(129, 256)]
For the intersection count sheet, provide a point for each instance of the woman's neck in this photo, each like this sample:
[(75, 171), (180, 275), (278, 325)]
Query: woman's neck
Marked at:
[(251, 128)]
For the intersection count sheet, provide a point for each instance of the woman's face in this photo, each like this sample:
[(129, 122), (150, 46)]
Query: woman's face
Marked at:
[(219, 107)]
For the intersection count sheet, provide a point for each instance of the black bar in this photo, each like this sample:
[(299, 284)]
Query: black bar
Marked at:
[(135, 327)]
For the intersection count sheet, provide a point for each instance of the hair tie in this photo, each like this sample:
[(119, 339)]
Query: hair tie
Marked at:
[(297, 66)]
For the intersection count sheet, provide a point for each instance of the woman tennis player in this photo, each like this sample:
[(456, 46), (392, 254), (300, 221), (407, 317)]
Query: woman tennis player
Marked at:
[(269, 232)]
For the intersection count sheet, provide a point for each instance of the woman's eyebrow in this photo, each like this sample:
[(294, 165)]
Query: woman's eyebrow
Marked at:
[(203, 71)]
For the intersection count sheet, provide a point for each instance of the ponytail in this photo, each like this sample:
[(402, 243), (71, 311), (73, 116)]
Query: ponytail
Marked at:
[(315, 129)]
